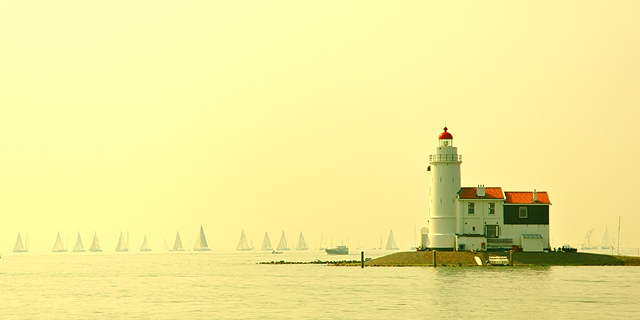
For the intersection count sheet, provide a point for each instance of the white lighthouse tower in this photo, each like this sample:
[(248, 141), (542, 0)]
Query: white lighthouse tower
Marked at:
[(445, 184)]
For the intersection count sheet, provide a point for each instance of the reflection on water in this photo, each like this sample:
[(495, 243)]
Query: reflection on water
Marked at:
[(231, 285)]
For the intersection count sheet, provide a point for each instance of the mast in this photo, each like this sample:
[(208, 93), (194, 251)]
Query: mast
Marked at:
[(619, 217)]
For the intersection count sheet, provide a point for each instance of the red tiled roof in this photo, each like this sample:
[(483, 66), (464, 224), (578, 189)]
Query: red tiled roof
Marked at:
[(491, 193), (526, 197)]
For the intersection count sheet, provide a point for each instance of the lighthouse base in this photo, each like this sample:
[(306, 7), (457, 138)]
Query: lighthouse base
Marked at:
[(437, 241)]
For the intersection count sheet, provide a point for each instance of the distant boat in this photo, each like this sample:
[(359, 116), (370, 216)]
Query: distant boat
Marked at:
[(276, 252), (145, 244), (177, 246), (78, 247), (607, 242), (322, 247), (20, 247), (95, 244), (201, 242), (380, 247), (342, 249), (302, 245), (243, 244), (282, 245), (165, 246), (590, 241), (391, 242), (266, 243), (59, 246), (121, 246)]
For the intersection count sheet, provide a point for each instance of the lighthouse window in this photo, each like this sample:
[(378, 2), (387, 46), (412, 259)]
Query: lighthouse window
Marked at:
[(492, 208), (472, 208), (522, 212)]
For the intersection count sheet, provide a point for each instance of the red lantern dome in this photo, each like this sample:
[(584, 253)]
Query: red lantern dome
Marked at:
[(445, 134)]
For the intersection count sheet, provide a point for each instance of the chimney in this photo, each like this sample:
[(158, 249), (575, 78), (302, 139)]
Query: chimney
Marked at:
[(535, 195), (480, 192)]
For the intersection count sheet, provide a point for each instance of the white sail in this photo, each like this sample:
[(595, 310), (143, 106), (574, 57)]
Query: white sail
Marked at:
[(122, 245), (266, 243), (282, 245), (145, 245), (78, 247), (177, 246), (19, 247), (59, 246), (391, 242), (165, 246), (302, 245), (243, 244), (201, 242), (95, 244)]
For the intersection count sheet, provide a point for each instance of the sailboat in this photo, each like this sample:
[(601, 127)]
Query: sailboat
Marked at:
[(266, 243), (322, 247), (201, 242), (95, 244), (282, 245), (145, 244), (302, 245), (59, 246), (177, 246), (243, 244), (121, 246), (19, 247), (78, 247), (606, 240), (590, 242), (165, 246), (391, 242)]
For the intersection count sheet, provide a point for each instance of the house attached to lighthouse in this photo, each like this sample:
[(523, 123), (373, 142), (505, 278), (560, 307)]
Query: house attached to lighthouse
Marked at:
[(480, 218)]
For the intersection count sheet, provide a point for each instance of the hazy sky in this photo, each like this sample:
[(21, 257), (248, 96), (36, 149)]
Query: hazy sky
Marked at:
[(158, 116)]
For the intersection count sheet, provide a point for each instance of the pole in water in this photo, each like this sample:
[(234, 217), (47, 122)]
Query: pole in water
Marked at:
[(362, 259), (434, 259)]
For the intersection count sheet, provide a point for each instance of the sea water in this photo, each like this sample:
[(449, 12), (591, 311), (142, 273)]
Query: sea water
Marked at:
[(231, 285)]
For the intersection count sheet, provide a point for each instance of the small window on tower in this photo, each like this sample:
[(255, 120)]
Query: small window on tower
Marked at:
[(492, 208), (472, 208), (522, 212)]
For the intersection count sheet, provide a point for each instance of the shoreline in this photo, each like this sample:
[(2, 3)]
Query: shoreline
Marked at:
[(467, 259)]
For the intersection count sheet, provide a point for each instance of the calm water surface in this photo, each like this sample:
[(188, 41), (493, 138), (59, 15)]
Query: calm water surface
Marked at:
[(230, 285)]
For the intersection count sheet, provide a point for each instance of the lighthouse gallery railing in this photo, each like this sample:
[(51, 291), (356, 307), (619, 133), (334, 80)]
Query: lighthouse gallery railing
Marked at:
[(445, 157)]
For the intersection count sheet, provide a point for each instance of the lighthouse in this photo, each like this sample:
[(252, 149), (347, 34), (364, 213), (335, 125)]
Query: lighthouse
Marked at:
[(444, 167)]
